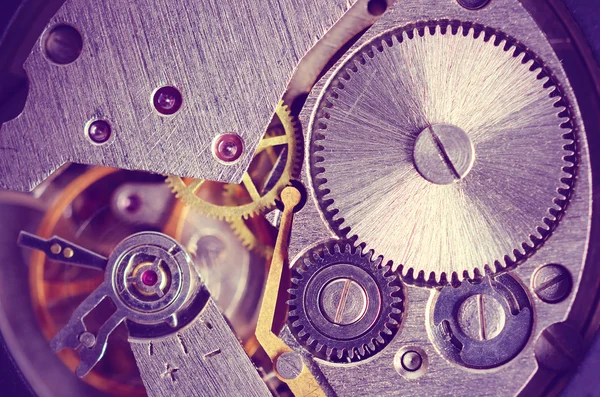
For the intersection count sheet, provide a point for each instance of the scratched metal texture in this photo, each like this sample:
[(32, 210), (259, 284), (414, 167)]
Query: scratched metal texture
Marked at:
[(568, 245), (204, 359), (230, 59)]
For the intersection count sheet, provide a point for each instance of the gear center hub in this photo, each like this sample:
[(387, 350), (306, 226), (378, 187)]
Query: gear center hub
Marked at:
[(443, 154), (343, 301), (150, 274)]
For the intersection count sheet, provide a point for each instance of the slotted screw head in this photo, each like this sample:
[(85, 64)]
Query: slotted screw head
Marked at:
[(443, 154), (552, 283), (289, 365)]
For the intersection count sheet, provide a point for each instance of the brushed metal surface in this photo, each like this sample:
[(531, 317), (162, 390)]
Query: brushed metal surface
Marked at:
[(568, 244), (366, 149), (204, 359), (230, 59)]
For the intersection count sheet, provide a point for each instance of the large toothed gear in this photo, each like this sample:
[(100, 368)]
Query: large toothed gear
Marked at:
[(344, 306), (446, 149), (259, 190)]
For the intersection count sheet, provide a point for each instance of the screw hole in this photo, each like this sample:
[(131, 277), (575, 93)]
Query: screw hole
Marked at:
[(99, 131), (228, 147), (167, 100), (377, 7), (63, 44), (473, 4)]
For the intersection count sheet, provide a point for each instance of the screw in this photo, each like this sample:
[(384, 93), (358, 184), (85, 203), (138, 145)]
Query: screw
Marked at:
[(411, 361), (63, 44), (55, 249), (473, 4), (559, 347), (481, 317), (228, 147), (552, 283), (99, 131), (443, 154), (87, 339), (167, 100), (68, 253), (289, 365), (343, 301)]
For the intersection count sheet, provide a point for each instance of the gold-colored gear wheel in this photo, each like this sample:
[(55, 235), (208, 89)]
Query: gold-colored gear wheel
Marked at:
[(252, 196), (249, 238)]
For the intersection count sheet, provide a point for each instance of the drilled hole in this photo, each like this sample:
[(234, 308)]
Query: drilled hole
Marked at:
[(377, 7), (63, 44)]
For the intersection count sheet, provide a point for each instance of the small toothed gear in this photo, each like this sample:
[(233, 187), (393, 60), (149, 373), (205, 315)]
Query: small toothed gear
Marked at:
[(261, 184), (344, 306), (260, 243), (447, 149)]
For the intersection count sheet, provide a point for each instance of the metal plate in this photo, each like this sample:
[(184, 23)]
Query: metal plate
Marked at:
[(568, 245), (205, 359), (230, 59)]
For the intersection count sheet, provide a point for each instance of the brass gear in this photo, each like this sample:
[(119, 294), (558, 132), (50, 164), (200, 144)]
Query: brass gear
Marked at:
[(246, 199), (250, 238)]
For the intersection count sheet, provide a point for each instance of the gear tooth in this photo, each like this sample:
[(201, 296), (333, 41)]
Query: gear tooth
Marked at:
[(470, 274), (302, 333), (405, 35), (546, 80), (470, 32), (365, 253), (371, 346), (390, 276), (329, 351), (551, 217), (318, 347), (554, 101), (514, 256), (310, 340), (519, 56), (532, 66), (361, 350), (336, 248), (348, 248)]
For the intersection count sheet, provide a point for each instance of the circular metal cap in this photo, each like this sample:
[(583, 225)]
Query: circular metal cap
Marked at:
[(443, 154)]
